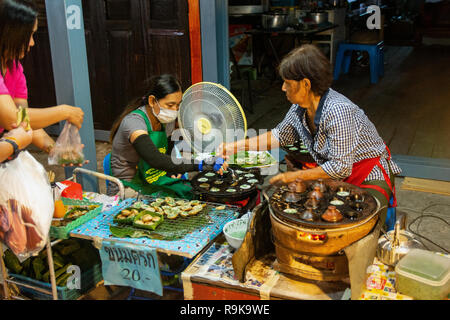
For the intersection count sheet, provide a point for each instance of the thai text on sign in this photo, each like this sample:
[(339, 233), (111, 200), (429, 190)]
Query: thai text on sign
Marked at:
[(131, 265)]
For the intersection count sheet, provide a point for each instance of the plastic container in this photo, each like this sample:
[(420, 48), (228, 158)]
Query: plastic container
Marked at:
[(423, 275)]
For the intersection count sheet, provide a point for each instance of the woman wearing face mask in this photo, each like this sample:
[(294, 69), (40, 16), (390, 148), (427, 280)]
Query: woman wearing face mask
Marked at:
[(140, 145)]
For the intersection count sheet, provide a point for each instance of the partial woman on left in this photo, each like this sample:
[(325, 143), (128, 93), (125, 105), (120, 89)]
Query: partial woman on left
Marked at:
[(18, 23)]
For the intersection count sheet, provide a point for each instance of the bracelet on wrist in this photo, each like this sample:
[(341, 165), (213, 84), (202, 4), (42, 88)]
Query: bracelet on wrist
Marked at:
[(12, 138), (15, 146)]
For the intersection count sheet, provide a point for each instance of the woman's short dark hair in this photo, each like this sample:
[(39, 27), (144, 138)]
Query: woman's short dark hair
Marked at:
[(17, 19), (157, 86), (308, 62)]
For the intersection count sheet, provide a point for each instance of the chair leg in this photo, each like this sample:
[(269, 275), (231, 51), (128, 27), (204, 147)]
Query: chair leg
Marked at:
[(381, 62), (347, 61), (338, 63)]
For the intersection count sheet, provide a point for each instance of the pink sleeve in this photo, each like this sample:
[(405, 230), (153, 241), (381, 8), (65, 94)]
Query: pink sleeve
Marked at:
[(21, 90), (3, 88)]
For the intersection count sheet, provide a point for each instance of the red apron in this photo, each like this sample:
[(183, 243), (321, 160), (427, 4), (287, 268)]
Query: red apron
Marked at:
[(362, 169)]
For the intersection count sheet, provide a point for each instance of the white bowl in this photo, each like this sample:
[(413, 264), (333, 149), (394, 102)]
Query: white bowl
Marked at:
[(248, 215), (235, 231)]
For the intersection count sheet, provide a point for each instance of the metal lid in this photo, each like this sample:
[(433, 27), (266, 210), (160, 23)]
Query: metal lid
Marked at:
[(369, 206)]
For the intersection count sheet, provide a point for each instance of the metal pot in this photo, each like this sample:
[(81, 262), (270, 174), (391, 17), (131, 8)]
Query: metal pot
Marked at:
[(396, 244), (274, 21), (319, 17)]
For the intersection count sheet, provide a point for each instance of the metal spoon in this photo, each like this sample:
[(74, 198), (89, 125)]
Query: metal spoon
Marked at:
[(233, 175)]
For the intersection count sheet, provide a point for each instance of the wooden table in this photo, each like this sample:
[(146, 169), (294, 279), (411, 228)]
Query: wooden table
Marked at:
[(210, 277)]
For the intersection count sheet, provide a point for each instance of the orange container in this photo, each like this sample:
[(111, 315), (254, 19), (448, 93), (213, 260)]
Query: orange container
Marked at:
[(60, 210)]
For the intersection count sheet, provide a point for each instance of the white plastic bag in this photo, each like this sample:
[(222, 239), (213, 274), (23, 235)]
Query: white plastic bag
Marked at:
[(26, 205), (68, 148)]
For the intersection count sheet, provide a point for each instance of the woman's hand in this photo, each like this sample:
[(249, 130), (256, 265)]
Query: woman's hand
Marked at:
[(73, 165), (178, 176), (22, 136), (223, 168), (216, 164), (74, 115), (219, 165), (284, 178)]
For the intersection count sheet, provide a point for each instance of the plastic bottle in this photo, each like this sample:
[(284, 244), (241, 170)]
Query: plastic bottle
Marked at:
[(60, 210)]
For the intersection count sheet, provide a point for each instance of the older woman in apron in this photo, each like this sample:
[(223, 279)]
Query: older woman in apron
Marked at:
[(342, 140), (140, 144)]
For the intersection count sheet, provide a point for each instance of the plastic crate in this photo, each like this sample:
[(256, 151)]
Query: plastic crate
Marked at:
[(63, 232), (89, 279)]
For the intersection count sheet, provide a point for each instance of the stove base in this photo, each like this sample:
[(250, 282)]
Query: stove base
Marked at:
[(324, 268)]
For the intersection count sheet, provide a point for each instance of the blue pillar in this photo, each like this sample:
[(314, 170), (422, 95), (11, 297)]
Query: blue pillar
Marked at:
[(215, 43), (70, 72)]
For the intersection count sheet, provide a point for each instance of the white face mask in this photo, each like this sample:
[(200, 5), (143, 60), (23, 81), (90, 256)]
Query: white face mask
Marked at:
[(165, 115)]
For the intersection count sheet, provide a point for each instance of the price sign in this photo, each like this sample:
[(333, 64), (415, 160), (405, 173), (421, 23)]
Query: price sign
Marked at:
[(132, 266)]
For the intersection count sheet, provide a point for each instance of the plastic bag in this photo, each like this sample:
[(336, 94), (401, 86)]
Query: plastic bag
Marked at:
[(68, 148), (26, 205)]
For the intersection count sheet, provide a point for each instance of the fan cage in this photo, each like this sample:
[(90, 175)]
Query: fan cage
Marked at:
[(198, 101)]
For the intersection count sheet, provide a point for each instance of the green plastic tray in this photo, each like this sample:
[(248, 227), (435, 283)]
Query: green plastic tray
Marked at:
[(63, 232)]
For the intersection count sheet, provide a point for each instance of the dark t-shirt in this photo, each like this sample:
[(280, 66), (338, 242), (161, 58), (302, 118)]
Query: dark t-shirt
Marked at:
[(124, 158)]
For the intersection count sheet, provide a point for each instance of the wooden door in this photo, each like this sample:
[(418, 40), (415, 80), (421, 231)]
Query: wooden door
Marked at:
[(127, 42)]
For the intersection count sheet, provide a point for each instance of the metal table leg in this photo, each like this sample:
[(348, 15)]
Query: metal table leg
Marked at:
[(274, 51), (51, 267)]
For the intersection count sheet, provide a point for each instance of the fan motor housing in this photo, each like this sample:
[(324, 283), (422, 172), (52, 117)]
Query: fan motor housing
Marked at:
[(207, 111)]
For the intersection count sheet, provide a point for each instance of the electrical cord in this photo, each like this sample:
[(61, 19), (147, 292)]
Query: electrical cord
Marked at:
[(422, 215)]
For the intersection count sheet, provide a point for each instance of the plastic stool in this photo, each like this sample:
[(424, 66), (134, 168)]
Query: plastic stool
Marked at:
[(344, 56)]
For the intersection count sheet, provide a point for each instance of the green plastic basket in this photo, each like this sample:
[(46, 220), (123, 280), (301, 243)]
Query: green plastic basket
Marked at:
[(128, 221), (154, 226), (63, 232), (89, 280)]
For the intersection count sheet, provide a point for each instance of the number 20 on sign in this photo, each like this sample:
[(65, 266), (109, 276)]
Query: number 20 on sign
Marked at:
[(132, 266)]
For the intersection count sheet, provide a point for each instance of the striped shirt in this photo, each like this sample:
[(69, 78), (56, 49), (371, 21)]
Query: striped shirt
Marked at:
[(344, 135)]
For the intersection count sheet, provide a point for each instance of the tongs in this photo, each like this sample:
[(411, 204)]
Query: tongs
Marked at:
[(233, 174)]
